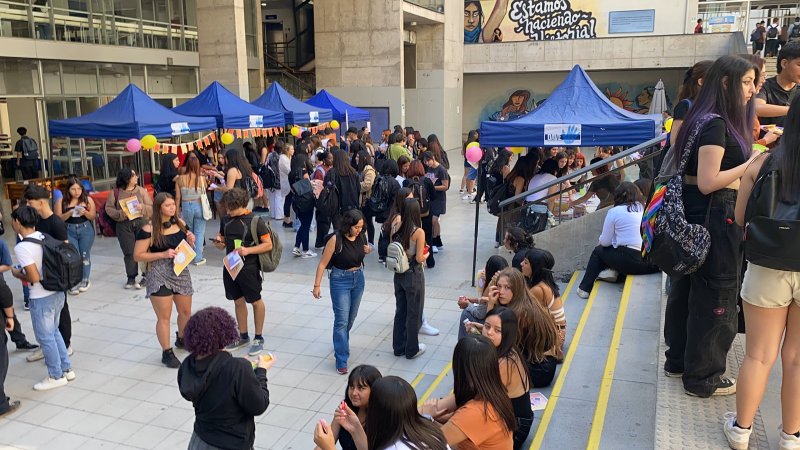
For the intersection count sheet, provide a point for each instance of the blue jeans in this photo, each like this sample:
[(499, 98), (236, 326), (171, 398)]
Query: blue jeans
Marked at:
[(81, 235), (346, 288), (45, 313), (192, 213)]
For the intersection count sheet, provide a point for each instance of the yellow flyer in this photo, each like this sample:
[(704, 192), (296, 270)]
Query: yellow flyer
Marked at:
[(131, 207), (184, 255)]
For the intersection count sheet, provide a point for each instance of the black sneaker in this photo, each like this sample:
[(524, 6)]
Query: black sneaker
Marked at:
[(287, 225), (178, 341), (27, 306), (727, 386), (169, 359), (27, 346)]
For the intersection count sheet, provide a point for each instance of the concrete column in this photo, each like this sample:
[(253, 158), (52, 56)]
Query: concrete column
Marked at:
[(359, 52), (434, 105), (221, 44)]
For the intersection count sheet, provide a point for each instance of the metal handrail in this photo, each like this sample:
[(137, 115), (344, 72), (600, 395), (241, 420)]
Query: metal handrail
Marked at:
[(579, 173)]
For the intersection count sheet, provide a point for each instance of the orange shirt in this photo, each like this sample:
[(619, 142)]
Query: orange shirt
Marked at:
[(483, 433)]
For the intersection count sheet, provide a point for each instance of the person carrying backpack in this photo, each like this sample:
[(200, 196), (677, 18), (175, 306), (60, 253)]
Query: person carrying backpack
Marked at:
[(245, 288), (344, 256), (701, 313), (45, 305), (27, 155), (773, 32), (409, 285), (422, 190), (370, 183), (757, 37), (768, 205)]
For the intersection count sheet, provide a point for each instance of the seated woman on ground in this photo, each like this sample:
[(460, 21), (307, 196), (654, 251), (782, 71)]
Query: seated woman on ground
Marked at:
[(475, 308), (393, 422), (479, 415), (537, 267), (501, 328), (356, 396), (619, 252)]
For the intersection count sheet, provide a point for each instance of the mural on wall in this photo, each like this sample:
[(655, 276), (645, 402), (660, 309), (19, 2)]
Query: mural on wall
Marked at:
[(635, 98), (523, 20)]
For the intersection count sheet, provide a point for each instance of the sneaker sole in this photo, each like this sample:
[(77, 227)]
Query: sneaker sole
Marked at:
[(673, 374), (252, 353)]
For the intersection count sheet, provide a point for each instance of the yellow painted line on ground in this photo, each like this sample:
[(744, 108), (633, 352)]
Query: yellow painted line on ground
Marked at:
[(417, 380), (435, 383), (608, 373), (569, 287), (562, 375)]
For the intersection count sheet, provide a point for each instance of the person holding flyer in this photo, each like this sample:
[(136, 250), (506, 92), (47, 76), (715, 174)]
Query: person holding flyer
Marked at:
[(166, 247)]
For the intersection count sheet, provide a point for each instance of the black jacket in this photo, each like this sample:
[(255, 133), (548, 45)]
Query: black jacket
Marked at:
[(226, 394), (349, 189)]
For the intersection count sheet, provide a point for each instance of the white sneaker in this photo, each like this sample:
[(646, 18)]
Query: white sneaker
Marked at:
[(74, 291), (199, 262), (70, 375), (428, 330), (738, 438), (35, 356), (140, 284), (50, 383), (467, 197), (69, 350), (309, 254), (422, 348), (434, 249), (582, 294), (608, 275), (84, 286), (297, 252), (788, 441)]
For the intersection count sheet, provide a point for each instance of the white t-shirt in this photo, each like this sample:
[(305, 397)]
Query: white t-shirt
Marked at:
[(622, 227), (29, 253), (539, 180)]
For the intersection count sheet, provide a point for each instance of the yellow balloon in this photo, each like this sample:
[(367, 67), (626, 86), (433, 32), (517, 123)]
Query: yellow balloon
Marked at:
[(668, 125), (517, 150), (334, 124), (295, 131), (226, 138), (473, 144), (149, 141)]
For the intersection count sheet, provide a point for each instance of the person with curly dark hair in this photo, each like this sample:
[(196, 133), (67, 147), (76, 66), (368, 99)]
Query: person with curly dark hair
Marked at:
[(226, 392)]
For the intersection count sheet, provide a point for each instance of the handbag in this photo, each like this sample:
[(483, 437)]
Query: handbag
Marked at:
[(208, 214), (669, 241)]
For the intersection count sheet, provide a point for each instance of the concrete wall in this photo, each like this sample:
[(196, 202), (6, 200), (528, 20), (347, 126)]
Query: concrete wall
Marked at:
[(600, 54), (221, 44), (484, 94), (572, 242)]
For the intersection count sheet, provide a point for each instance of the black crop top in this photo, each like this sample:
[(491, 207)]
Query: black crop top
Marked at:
[(716, 133), (351, 254), (170, 240)]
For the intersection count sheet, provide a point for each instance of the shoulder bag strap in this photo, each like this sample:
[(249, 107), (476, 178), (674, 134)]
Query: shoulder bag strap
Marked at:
[(691, 142)]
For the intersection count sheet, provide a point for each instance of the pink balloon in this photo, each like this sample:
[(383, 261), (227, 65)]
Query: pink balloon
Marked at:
[(133, 145), (474, 154)]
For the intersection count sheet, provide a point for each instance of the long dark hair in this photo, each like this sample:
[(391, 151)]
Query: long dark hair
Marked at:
[(494, 265), (549, 166), (193, 168), (786, 155), (519, 238), (341, 164), (167, 166), (476, 376), (410, 221), (435, 147), (364, 160), (124, 177), (472, 136), (361, 376), (393, 417), (722, 94), (83, 198), (542, 263), (691, 80), (395, 208), (525, 168), (235, 159), (508, 342), (158, 220), (628, 194)]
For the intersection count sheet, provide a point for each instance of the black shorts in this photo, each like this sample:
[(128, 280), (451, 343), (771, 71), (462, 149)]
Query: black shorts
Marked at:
[(247, 284), (163, 291), (6, 297)]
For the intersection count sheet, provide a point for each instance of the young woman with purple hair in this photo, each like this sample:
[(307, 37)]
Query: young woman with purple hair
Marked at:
[(701, 315)]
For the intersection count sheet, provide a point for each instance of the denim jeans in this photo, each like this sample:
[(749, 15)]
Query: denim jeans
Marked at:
[(192, 213), (81, 235), (45, 313), (346, 289), (301, 239)]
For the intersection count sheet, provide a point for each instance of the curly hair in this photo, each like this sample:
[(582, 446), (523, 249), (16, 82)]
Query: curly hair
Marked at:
[(209, 330), (235, 198)]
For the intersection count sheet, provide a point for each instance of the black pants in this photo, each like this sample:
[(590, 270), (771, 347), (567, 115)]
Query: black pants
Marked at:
[(542, 373), (409, 296), (4, 406), (126, 235), (757, 47), (369, 224), (65, 323), (772, 47), (624, 260), (701, 316), (29, 169), (427, 227), (17, 336), (287, 205), (323, 226)]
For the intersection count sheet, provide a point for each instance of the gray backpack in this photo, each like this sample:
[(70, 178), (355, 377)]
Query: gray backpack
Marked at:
[(396, 257)]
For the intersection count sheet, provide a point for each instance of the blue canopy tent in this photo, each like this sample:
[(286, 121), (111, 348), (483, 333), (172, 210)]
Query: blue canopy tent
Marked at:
[(132, 114), (295, 112), (576, 114), (341, 110), (229, 110)]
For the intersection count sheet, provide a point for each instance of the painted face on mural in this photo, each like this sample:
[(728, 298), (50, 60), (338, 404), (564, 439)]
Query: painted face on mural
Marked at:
[(472, 16), (518, 101)]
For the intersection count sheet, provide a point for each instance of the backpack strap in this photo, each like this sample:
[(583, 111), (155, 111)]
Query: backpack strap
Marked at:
[(691, 142)]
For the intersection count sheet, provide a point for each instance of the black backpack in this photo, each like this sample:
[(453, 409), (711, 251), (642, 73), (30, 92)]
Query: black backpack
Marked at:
[(500, 193), (328, 200), (771, 230), (62, 265), (419, 192), (30, 150), (772, 33), (270, 173), (303, 195), (379, 201)]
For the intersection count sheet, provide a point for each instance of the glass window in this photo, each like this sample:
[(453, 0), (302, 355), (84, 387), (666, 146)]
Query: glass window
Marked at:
[(113, 78), (250, 18), (15, 19), (51, 73), (171, 80), (79, 78), (18, 77)]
